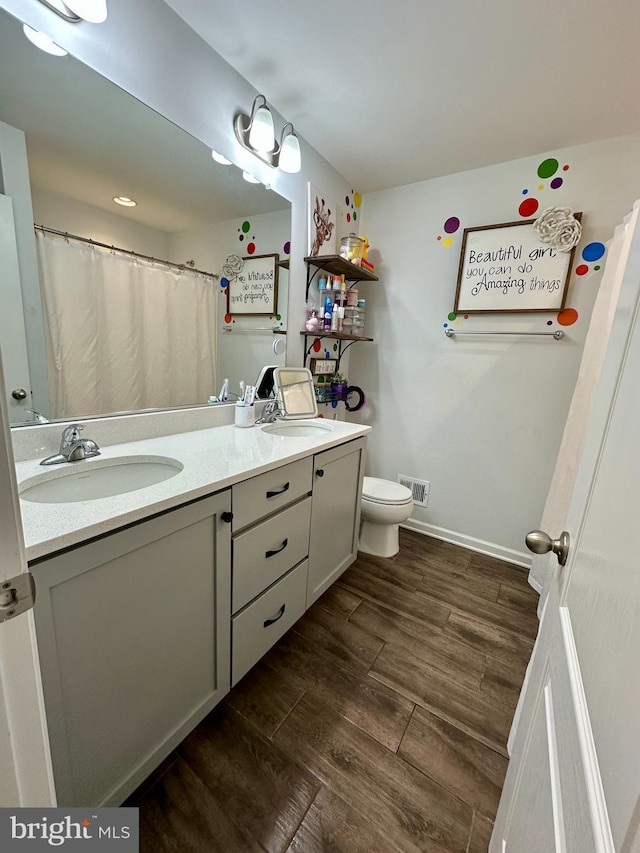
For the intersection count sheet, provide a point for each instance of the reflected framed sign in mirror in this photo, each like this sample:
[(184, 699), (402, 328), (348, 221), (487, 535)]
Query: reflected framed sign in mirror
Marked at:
[(90, 331)]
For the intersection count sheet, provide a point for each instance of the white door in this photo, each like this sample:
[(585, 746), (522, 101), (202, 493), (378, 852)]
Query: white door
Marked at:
[(25, 771), (12, 331), (573, 782)]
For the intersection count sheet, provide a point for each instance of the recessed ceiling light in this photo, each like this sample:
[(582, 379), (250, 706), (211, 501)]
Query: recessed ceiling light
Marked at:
[(220, 158), (250, 178), (124, 201), (43, 42)]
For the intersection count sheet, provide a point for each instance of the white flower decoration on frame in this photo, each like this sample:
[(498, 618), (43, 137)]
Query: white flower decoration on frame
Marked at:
[(558, 226), (232, 266)]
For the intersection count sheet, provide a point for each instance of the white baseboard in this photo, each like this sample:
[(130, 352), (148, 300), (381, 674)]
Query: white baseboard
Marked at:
[(471, 543)]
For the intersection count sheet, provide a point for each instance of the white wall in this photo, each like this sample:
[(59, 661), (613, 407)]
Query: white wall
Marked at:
[(84, 220), (241, 351), (480, 418)]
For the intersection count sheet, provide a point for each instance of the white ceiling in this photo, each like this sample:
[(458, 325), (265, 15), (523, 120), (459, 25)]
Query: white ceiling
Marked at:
[(90, 141), (395, 91)]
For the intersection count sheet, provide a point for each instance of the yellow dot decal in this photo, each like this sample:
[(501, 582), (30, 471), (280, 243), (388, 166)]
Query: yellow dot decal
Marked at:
[(540, 186), (447, 241), (357, 199)]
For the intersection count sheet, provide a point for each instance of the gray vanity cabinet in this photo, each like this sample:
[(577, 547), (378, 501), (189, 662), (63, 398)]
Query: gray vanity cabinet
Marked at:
[(335, 514), (133, 636)]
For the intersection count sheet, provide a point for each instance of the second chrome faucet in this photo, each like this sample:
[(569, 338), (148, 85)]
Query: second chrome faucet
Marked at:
[(73, 447)]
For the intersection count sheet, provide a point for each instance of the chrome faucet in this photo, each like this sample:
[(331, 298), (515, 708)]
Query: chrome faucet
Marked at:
[(73, 447), (270, 412)]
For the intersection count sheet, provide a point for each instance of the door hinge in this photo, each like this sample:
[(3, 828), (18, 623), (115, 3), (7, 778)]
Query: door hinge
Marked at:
[(17, 595)]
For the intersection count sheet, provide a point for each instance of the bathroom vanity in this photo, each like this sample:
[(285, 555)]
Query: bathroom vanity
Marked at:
[(151, 603)]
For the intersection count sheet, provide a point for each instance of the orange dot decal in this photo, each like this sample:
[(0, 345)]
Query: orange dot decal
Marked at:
[(567, 317), (227, 318)]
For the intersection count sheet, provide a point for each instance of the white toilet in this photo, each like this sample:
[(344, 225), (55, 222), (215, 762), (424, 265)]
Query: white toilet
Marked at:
[(385, 505)]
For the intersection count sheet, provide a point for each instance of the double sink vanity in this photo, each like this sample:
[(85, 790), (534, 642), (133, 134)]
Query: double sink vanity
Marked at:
[(164, 569)]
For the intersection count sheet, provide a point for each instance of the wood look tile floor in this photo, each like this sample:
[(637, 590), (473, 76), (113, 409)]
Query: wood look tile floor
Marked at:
[(377, 724)]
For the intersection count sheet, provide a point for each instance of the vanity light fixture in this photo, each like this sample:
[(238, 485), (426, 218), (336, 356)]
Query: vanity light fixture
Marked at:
[(93, 11), (256, 134), (42, 41), (220, 158), (124, 201)]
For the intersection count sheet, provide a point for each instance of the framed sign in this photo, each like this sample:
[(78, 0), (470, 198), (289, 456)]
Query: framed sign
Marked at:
[(505, 268), (254, 290)]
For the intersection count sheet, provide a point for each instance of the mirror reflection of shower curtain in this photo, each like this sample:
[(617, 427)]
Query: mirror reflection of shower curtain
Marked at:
[(123, 333)]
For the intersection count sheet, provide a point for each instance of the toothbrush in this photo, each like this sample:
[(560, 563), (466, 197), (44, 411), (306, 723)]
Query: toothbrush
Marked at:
[(250, 396), (223, 396), (242, 390)]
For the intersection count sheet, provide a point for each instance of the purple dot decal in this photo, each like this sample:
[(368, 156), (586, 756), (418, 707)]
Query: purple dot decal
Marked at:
[(241, 237), (556, 183), (346, 200), (287, 248), (451, 225), (593, 251)]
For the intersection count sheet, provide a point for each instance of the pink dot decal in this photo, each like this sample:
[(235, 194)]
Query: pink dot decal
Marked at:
[(556, 183), (251, 248), (582, 269), (528, 207), (567, 317), (451, 225)]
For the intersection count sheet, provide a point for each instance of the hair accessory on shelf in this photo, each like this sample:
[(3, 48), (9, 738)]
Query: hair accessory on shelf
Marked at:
[(558, 226)]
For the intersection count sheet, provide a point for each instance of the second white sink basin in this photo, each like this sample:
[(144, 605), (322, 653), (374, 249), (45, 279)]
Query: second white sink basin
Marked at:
[(297, 429), (88, 481)]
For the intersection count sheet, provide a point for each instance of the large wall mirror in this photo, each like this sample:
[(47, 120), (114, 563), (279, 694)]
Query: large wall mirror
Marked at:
[(119, 332)]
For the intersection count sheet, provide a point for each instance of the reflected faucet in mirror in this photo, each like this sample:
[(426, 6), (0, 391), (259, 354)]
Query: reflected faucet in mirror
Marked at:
[(79, 159)]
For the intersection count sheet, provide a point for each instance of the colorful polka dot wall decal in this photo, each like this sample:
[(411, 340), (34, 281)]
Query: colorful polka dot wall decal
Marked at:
[(287, 248), (446, 325), (597, 267), (540, 186), (316, 345), (452, 316), (466, 316), (524, 192), (565, 168), (567, 317), (223, 282), (246, 227), (439, 237), (348, 217), (451, 225), (447, 241), (528, 207), (556, 183), (582, 269), (228, 318), (593, 251), (357, 200), (241, 237), (549, 322), (251, 248), (548, 168), (347, 201)]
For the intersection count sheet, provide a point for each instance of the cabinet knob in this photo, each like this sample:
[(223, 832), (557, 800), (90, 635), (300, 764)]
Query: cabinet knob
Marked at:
[(227, 516), (19, 394), (320, 472)]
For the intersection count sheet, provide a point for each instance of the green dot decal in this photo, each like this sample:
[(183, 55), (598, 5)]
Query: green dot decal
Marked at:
[(278, 317), (451, 316), (548, 167), (246, 227), (597, 267), (335, 347)]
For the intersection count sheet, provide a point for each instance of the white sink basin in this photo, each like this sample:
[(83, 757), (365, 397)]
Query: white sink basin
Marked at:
[(298, 429), (89, 481)]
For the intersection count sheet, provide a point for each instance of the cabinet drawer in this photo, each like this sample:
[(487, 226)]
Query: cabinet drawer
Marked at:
[(262, 623), (262, 495), (267, 551)]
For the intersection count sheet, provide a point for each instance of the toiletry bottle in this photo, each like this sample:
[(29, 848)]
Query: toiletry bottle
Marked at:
[(328, 310), (323, 283), (334, 317)]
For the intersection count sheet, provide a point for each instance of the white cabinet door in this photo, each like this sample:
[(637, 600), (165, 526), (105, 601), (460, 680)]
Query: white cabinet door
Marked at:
[(133, 634), (335, 515)]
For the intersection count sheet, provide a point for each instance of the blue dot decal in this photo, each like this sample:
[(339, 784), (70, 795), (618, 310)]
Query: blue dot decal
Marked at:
[(593, 251)]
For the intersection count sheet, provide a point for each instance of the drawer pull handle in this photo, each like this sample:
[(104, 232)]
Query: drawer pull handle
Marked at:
[(277, 550), (227, 516), (275, 618), (281, 491), (320, 472)]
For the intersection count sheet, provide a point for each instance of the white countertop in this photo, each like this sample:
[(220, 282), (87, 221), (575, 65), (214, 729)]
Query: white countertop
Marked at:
[(213, 459)]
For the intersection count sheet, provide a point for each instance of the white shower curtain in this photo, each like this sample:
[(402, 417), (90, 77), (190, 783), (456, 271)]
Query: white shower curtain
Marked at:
[(123, 333)]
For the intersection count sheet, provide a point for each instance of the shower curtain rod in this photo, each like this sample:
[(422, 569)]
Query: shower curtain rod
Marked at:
[(91, 242)]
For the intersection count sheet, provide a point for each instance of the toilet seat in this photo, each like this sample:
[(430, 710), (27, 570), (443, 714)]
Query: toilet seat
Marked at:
[(379, 491)]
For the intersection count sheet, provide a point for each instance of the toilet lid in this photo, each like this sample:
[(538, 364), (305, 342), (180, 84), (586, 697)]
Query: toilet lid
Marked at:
[(385, 491)]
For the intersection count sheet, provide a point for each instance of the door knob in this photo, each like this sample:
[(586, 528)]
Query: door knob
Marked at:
[(541, 543), (19, 394)]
